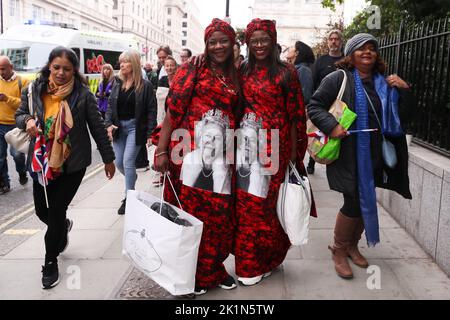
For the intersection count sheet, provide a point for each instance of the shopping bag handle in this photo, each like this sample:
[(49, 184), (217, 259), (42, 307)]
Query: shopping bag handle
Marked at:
[(162, 191), (300, 180)]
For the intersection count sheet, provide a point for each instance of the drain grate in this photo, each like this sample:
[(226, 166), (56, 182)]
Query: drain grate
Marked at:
[(139, 286)]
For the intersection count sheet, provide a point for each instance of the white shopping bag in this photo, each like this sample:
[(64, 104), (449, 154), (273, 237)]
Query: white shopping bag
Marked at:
[(163, 250), (294, 206)]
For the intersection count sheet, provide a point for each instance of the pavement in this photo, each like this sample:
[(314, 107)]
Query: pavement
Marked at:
[(93, 266)]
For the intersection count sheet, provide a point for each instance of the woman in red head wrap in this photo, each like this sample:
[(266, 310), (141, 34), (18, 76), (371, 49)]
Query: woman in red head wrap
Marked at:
[(273, 102), (202, 101)]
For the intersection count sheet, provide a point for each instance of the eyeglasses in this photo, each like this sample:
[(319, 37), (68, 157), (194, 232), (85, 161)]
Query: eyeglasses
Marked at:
[(262, 41)]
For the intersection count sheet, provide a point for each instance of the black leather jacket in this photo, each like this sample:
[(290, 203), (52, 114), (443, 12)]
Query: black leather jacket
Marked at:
[(83, 106), (145, 110)]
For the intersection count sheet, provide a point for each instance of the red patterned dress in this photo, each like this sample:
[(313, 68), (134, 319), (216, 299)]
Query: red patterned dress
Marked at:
[(260, 242), (203, 105)]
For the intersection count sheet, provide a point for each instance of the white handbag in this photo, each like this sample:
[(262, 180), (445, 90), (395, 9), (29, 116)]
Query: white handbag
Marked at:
[(294, 206), (162, 249), (18, 138)]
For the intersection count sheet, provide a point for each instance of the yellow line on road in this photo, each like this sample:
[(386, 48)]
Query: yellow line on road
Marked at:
[(31, 209), (21, 232)]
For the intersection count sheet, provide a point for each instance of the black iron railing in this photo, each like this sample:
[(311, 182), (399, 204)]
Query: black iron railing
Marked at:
[(420, 54)]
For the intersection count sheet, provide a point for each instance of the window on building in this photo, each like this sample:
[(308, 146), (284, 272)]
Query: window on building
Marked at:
[(84, 26), (169, 22), (169, 11), (184, 25), (13, 7), (132, 24), (184, 33), (116, 21), (133, 7), (183, 43), (38, 12), (185, 15), (55, 16)]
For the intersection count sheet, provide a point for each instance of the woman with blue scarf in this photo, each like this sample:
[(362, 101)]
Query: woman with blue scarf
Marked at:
[(361, 166)]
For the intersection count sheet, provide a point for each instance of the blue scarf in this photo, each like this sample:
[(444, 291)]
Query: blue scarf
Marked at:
[(366, 183)]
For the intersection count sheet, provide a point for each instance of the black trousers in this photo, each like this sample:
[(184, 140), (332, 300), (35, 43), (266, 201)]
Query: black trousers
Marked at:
[(60, 193), (351, 207)]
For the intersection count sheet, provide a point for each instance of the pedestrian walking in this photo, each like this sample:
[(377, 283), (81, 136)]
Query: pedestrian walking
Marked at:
[(170, 65), (303, 61), (104, 89), (60, 149), (273, 101), (361, 166), (11, 86), (130, 118), (323, 66), (203, 100)]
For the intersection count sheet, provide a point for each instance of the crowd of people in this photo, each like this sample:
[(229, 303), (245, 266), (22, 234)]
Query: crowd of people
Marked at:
[(208, 96)]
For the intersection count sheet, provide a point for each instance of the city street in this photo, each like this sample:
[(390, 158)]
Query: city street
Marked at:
[(93, 266)]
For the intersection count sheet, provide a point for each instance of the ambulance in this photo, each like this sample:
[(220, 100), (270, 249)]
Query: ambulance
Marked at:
[(28, 47)]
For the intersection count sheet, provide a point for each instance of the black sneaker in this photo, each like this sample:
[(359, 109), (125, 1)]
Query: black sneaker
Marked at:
[(198, 291), (69, 225), (228, 283), (50, 275), (5, 189), (23, 179), (122, 207)]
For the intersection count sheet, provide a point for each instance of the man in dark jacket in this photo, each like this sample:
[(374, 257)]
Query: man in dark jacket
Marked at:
[(324, 65)]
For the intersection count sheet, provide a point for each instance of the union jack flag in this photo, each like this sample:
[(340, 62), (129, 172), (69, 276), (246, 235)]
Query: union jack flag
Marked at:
[(39, 162), (319, 135)]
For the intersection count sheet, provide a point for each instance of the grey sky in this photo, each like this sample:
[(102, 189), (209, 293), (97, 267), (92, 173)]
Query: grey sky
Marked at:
[(240, 13)]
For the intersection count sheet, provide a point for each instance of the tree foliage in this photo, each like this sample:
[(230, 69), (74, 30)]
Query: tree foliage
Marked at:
[(393, 12)]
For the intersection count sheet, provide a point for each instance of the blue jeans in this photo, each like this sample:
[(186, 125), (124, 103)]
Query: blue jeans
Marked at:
[(126, 151), (19, 158)]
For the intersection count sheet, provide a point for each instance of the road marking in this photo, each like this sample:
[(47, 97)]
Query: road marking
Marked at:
[(21, 232), (21, 215)]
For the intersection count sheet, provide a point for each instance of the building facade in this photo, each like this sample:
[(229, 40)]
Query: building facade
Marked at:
[(304, 20), (83, 15), (152, 22)]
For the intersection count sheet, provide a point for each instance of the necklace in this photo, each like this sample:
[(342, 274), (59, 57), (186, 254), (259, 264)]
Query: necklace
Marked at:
[(207, 176), (244, 176), (221, 78)]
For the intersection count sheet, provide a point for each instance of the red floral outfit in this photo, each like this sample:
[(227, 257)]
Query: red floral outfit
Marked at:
[(260, 242), (201, 104)]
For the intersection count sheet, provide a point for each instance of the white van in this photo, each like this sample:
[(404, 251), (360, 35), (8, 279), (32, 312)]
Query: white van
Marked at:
[(28, 47)]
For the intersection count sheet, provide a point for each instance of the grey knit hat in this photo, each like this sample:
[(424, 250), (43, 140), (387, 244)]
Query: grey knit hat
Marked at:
[(358, 41)]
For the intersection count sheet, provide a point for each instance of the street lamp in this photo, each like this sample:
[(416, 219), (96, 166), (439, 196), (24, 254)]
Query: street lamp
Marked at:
[(227, 10), (1, 16), (123, 4)]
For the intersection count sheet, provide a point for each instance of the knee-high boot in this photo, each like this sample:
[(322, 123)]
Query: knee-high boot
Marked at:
[(343, 235), (353, 251)]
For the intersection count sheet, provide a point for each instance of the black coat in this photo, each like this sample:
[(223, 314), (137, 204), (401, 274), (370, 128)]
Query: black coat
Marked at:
[(145, 110), (84, 109), (342, 173)]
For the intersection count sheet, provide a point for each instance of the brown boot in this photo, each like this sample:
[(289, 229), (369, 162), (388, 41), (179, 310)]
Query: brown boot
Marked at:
[(343, 235), (353, 251)]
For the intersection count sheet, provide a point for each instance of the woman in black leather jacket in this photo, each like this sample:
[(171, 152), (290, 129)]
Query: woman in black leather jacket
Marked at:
[(60, 149), (131, 117)]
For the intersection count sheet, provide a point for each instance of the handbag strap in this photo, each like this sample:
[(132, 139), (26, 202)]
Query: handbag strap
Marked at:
[(30, 99), (343, 85), (374, 111)]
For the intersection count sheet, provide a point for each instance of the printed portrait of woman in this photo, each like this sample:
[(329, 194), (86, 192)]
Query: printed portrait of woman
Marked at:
[(205, 167), (250, 174)]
